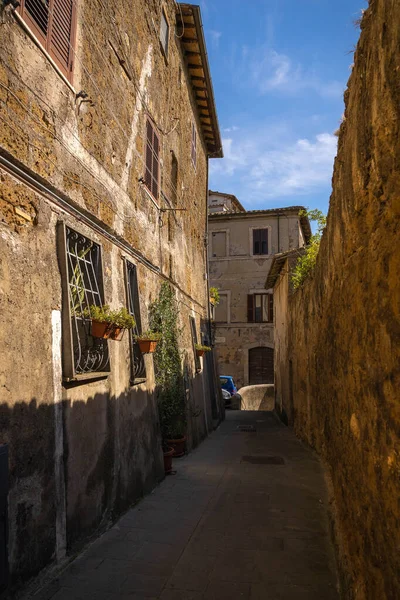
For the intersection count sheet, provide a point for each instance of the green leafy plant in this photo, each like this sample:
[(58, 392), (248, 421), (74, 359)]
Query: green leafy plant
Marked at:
[(152, 336), (171, 396), (119, 318), (202, 348), (214, 296), (305, 264)]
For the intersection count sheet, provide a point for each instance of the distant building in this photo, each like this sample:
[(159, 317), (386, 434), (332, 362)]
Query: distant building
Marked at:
[(241, 247)]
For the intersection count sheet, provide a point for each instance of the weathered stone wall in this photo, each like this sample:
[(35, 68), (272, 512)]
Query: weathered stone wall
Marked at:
[(344, 324), (81, 453)]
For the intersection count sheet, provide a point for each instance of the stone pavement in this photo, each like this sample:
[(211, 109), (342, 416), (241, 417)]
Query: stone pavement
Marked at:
[(244, 517)]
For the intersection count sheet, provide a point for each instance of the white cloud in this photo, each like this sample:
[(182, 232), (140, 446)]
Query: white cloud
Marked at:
[(271, 71), (265, 169), (215, 37)]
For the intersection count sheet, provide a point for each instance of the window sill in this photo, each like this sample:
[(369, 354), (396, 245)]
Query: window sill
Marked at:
[(138, 381), (43, 50), (85, 378)]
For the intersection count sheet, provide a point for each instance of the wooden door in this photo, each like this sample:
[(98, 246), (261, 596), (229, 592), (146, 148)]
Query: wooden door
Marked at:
[(261, 365)]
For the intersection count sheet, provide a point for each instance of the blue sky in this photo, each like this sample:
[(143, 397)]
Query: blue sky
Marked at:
[(279, 69)]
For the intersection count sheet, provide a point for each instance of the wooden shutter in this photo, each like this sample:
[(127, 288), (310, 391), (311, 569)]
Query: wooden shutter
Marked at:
[(151, 177), (53, 23), (60, 38), (250, 308), (271, 308), (263, 241), (256, 241)]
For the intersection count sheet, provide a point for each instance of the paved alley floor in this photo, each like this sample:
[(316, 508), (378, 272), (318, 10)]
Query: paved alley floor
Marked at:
[(244, 517)]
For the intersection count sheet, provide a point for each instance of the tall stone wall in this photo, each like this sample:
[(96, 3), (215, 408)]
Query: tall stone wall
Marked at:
[(344, 324)]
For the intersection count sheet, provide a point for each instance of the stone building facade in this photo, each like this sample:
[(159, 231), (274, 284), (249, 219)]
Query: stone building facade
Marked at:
[(240, 248), (107, 125), (338, 353)]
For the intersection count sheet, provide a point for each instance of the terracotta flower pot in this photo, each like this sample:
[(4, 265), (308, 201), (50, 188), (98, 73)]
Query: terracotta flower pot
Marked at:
[(101, 329), (200, 352), (147, 346), (168, 454), (178, 445), (117, 333)]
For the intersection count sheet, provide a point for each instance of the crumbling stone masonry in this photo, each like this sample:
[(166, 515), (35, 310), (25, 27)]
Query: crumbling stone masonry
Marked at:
[(338, 338), (110, 150)]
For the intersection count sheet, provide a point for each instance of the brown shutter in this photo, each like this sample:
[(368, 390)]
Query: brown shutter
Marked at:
[(271, 308), (156, 150), (36, 14), (61, 33), (149, 155), (250, 308), (263, 241), (256, 241)]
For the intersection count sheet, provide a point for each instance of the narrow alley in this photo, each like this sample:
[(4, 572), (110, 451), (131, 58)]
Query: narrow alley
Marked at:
[(245, 516)]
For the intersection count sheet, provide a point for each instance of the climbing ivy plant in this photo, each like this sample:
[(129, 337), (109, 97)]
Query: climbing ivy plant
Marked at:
[(168, 365), (305, 264)]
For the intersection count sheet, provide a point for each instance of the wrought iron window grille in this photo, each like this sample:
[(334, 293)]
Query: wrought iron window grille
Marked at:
[(82, 278)]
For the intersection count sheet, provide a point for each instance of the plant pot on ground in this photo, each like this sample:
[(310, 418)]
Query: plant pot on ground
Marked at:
[(176, 438), (148, 341), (168, 453), (107, 323)]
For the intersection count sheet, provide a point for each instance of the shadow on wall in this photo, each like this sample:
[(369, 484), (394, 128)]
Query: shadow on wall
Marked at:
[(257, 397), (62, 494)]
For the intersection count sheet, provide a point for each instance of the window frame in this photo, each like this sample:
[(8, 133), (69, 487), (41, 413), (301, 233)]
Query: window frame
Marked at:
[(227, 242), (45, 40), (226, 293), (133, 307), (67, 351), (251, 307), (251, 240), (166, 48), (149, 123)]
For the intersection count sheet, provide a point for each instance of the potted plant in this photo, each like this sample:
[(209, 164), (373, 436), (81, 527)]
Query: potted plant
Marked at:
[(107, 323), (214, 296), (148, 341), (176, 437), (200, 349), (168, 453)]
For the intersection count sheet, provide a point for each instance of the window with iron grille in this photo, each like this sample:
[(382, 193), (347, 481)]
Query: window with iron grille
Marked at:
[(194, 342), (194, 145), (53, 23), (82, 284), (164, 32), (260, 308), (260, 241), (151, 177), (138, 368)]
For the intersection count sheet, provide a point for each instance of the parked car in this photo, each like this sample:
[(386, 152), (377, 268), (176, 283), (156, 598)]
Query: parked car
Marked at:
[(227, 397), (228, 384)]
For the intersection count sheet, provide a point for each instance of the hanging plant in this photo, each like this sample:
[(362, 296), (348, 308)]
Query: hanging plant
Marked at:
[(148, 341), (214, 296), (200, 349), (107, 323)]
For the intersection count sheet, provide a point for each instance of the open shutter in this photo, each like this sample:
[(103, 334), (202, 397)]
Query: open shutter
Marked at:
[(36, 13), (149, 155), (156, 150), (60, 42), (256, 241), (271, 308), (250, 308)]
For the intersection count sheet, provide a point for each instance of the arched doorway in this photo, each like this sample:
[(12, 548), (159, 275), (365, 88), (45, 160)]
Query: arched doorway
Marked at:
[(261, 365)]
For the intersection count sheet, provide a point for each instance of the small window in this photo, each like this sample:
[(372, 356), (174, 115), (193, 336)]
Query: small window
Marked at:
[(53, 23), (82, 285), (138, 368), (152, 173), (260, 308), (164, 32), (194, 145), (260, 241), (194, 341)]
